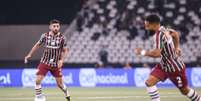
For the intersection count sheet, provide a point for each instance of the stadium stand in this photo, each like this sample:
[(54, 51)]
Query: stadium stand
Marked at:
[(116, 26)]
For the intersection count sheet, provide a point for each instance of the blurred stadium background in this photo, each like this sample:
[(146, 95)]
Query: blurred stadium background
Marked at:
[(101, 34)]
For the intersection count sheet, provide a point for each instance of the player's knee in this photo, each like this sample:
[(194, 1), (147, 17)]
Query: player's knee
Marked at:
[(151, 81), (38, 82), (148, 83), (184, 91)]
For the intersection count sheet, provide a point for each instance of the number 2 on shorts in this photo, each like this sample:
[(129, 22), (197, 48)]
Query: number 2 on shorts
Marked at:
[(179, 81)]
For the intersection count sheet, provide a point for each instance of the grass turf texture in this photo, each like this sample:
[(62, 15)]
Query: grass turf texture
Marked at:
[(92, 94)]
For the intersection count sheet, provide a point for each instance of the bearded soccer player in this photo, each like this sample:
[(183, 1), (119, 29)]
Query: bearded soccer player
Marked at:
[(52, 59), (170, 66)]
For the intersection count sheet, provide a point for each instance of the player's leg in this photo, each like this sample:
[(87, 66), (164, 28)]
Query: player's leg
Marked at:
[(38, 88), (180, 80), (63, 87), (41, 72), (152, 89), (190, 93), (58, 76), (156, 75)]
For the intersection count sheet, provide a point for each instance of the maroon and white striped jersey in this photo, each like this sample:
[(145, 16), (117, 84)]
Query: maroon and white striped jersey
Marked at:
[(170, 61), (54, 45)]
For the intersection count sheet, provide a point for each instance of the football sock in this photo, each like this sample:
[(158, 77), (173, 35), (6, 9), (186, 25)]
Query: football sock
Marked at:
[(38, 90), (153, 93), (66, 92), (193, 95)]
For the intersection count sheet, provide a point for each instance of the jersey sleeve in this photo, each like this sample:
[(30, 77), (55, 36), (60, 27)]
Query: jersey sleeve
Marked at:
[(167, 39), (158, 40), (42, 39)]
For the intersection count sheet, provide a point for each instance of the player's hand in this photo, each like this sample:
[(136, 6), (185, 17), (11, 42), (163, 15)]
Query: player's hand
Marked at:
[(137, 51), (178, 51), (60, 63), (26, 58)]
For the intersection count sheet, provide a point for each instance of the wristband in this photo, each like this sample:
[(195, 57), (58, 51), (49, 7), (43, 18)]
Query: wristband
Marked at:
[(143, 52)]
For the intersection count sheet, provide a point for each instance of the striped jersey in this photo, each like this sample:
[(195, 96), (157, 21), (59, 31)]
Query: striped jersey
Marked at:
[(170, 61), (54, 45)]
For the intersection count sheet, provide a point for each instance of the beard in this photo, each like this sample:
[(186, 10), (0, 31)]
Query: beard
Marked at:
[(150, 32), (55, 31)]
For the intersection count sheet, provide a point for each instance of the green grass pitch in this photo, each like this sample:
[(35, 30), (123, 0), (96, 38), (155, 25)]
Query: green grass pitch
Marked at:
[(92, 94)]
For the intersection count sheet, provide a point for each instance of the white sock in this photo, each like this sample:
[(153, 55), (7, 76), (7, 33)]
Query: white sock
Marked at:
[(38, 90), (65, 90), (193, 95), (153, 93)]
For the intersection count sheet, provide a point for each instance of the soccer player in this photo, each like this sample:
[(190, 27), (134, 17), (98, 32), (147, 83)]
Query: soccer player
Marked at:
[(52, 59), (170, 66)]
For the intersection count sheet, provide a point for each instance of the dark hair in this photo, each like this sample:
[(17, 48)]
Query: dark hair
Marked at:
[(153, 18), (54, 21)]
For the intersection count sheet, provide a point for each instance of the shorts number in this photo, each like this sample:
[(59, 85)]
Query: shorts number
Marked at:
[(179, 81)]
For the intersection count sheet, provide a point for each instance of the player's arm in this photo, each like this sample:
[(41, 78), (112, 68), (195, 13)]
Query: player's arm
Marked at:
[(175, 36), (155, 53), (34, 48), (63, 54)]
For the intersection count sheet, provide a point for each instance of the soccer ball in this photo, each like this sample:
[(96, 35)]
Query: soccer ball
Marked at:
[(41, 98)]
